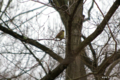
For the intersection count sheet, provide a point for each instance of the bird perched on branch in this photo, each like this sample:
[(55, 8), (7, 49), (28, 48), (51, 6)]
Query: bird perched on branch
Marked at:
[(60, 35)]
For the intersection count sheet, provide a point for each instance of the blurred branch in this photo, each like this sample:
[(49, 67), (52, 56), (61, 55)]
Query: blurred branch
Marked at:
[(6, 8), (60, 5), (1, 4), (27, 12), (13, 53), (103, 47), (19, 68), (108, 27), (93, 52), (32, 42), (89, 11), (111, 67), (35, 58), (100, 28), (113, 58)]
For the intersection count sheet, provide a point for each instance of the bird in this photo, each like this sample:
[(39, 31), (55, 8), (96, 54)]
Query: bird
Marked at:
[(60, 35)]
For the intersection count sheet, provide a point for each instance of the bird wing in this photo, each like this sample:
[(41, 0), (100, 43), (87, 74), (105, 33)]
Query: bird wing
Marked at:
[(58, 34)]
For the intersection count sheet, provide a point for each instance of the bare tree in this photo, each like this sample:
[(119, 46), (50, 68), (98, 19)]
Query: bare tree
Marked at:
[(27, 58)]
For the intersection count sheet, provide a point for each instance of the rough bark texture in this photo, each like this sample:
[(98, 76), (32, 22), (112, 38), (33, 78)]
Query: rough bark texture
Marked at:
[(75, 69)]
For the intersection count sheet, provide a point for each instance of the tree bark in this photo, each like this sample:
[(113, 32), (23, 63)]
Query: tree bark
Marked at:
[(75, 69), (72, 18)]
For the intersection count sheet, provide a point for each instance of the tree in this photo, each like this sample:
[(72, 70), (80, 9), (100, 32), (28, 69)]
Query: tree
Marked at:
[(76, 59)]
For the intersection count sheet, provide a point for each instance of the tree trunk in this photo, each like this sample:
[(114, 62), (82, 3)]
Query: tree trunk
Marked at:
[(76, 69), (67, 9)]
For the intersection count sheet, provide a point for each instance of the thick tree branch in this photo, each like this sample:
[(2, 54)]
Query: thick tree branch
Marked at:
[(92, 50), (75, 8), (108, 61), (32, 42), (88, 62), (112, 66), (59, 4), (100, 28), (94, 63), (59, 69)]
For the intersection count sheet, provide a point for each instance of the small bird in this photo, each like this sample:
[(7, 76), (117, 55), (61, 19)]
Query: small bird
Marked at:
[(60, 35)]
